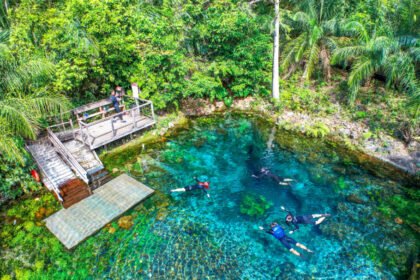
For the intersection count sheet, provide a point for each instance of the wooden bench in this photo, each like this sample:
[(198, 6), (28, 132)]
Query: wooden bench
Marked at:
[(100, 107)]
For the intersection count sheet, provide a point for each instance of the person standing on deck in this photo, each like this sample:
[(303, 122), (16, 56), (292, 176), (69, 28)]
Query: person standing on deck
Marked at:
[(116, 104), (202, 184), (278, 232)]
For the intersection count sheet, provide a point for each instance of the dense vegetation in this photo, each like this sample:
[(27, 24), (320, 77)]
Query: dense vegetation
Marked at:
[(366, 51)]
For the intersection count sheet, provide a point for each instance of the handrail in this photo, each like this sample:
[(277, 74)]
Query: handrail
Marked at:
[(115, 115), (68, 156), (54, 185), (59, 124)]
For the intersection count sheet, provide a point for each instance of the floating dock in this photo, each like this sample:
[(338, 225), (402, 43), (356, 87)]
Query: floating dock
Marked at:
[(76, 223)]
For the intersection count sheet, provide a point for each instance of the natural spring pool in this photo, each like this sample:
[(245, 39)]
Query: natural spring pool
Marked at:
[(190, 236)]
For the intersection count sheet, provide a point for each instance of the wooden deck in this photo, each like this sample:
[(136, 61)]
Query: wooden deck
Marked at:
[(107, 130), (73, 225)]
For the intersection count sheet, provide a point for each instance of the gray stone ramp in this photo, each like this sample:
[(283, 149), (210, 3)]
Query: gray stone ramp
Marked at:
[(76, 223)]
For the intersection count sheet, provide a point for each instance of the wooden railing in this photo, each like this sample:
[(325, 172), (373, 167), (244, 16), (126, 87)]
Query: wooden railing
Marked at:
[(67, 156), (45, 178), (145, 109)]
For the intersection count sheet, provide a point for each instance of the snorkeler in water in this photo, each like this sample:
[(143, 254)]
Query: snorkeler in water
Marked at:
[(304, 219), (278, 232), (265, 172), (203, 185)]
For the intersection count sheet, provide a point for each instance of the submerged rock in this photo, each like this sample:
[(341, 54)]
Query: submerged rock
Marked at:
[(353, 198), (398, 220), (125, 222)]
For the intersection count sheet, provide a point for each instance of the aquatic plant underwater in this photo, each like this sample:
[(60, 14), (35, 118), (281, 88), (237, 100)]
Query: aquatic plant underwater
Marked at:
[(372, 233)]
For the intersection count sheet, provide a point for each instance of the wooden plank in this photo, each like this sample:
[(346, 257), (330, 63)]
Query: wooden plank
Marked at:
[(73, 225), (91, 106), (121, 135)]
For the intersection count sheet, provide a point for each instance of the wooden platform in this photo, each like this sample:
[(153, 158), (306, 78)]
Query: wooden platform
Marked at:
[(106, 131), (73, 225)]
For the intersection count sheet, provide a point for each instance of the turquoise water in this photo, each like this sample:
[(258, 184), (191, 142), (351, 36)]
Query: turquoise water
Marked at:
[(211, 238)]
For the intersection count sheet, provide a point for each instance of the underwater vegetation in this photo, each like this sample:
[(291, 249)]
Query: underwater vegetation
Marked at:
[(372, 233), (254, 205)]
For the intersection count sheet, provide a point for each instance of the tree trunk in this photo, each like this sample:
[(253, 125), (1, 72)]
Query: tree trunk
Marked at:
[(275, 85)]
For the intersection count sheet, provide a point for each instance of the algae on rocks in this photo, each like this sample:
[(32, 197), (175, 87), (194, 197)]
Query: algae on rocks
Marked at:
[(254, 205)]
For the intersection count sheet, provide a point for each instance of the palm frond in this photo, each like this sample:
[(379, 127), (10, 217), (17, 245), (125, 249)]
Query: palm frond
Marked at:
[(356, 29), (408, 41), (47, 103), (361, 71), (313, 58), (26, 73), (302, 19), (399, 69), (13, 110), (9, 149), (415, 54), (347, 53)]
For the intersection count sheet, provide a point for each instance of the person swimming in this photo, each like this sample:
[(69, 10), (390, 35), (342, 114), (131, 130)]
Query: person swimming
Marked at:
[(303, 219), (203, 185), (278, 232), (265, 172)]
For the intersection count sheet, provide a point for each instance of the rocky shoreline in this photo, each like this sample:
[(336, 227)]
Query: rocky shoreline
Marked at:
[(354, 135)]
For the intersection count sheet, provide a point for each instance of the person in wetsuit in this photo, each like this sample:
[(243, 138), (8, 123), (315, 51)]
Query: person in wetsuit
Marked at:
[(292, 220), (200, 185), (265, 172), (278, 232)]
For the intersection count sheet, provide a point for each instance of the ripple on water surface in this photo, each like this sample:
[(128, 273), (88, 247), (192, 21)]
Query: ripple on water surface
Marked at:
[(218, 237)]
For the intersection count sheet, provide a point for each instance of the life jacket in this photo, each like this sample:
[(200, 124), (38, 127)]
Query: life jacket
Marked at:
[(35, 175), (206, 185), (278, 232)]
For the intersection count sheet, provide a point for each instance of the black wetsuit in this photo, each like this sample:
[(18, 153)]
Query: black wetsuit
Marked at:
[(304, 219), (116, 105), (198, 186), (268, 174)]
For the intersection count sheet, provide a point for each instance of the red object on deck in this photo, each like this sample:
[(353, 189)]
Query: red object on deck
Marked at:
[(35, 175)]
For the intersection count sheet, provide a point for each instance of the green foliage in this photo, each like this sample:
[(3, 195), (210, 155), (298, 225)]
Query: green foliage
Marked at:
[(15, 180), (302, 99), (172, 51), (317, 130), (254, 205)]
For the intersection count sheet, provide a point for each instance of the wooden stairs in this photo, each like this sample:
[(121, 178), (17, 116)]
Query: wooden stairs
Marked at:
[(59, 177), (51, 165), (74, 191)]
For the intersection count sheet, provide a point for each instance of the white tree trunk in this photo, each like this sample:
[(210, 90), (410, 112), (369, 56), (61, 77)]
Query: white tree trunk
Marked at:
[(275, 85)]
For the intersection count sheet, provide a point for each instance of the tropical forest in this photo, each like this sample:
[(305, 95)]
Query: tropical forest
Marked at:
[(209, 139)]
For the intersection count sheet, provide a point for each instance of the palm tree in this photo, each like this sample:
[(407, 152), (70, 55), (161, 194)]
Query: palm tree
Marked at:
[(23, 98), (393, 57), (315, 26)]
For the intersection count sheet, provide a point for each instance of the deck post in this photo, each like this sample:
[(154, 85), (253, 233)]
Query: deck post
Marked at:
[(153, 111), (112, 126), (81, 132), (72, 128), (133, 117)]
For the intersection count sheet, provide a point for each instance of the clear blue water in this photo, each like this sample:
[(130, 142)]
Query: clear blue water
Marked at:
[(209, 238)]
